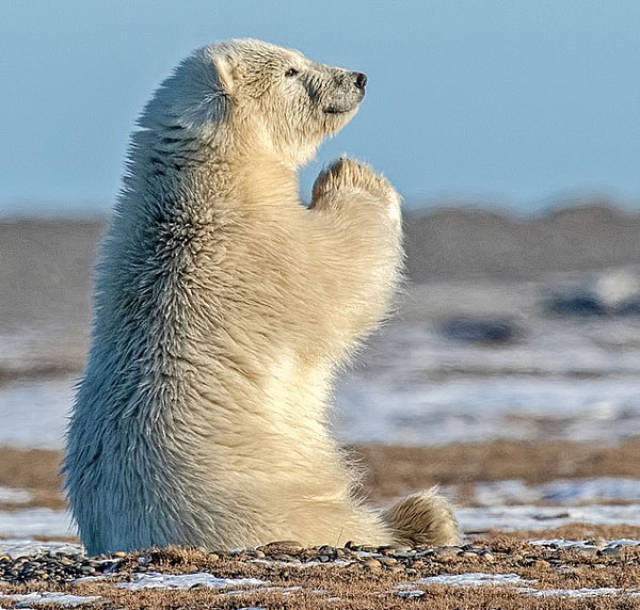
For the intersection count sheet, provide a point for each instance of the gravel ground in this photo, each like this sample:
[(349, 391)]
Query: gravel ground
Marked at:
[(575, 566), (503, 571)]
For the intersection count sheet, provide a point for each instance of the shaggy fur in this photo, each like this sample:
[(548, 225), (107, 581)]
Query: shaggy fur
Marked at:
[(223, 309)]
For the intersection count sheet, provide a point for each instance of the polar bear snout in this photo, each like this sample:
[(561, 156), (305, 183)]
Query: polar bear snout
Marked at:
[(347, 92)]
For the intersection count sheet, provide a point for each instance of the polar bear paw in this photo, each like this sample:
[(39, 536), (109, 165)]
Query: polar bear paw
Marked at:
[(348, 174), (423, 519)]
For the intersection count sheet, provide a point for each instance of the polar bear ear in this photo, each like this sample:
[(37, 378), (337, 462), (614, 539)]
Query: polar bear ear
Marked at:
[(224, 70)]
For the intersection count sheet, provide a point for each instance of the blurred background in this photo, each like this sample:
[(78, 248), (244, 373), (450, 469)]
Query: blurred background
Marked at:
[(512, 130)]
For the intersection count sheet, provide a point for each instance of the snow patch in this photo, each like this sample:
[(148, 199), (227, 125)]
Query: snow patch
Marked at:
[(418, 388), (37, 522), (14, 496), (24, 547), (156, 580), (529, 517), (579, 592), (472, 579), (583, 544), (37, 410), (63, 599), (516, 491)]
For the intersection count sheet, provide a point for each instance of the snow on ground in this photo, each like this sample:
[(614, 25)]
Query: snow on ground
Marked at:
[(561, 380), (391, 411), (23, 547), (478, 579), (527, 517), (609, 591), (14, 496), (37, 411), (486, 408), (156, 580), (47, 522), (62, 599), (583, 544), (560, 491), (36, 522), (471, 579)]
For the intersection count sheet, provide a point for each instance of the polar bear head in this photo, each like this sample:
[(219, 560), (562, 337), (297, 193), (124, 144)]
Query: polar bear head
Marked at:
[(250, 94)]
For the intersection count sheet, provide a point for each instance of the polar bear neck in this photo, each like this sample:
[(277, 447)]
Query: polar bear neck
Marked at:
[(170, 159)]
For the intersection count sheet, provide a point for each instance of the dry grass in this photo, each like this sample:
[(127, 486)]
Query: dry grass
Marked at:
[(392, 471)]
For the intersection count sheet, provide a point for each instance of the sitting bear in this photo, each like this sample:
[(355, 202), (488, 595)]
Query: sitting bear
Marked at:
[(223, 310)]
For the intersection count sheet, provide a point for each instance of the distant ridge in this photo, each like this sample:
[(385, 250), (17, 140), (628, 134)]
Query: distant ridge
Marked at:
[(468, 242), (53, 258)]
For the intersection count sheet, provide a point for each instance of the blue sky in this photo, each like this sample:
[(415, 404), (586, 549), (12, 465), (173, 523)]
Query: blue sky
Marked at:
[(514, 102)]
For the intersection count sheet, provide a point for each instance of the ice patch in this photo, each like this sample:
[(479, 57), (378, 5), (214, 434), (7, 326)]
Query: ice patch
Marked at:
[(582, 544), (471, 579), (528, 517), (156, 580), (36, 522), (564, 381), (62, 599), (515, 491), (409, 593), (25, 547), (614, 488), (37, 411), (476, 409), (14, 496), (579, 592)]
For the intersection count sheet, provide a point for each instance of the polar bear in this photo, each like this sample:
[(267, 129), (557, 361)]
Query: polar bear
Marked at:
[(223, 310)]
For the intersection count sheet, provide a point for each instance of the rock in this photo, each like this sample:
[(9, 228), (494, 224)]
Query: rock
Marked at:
[(575, 302), (488, 330), (611, 293), (282, 546), (447, 553), (372, 564), (612, 551)]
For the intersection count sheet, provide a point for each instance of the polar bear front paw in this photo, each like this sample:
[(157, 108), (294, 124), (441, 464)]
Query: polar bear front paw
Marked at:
[(347, 174)]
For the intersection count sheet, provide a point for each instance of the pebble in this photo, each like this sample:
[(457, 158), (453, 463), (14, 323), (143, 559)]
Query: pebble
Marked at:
[(372, 564), (447, 553), (61, 567), (290, 547)]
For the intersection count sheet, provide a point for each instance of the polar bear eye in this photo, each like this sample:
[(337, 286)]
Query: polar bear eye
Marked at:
[(291, 72)]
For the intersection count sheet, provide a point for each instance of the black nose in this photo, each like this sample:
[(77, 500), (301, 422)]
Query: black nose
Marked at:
[(360, 80)]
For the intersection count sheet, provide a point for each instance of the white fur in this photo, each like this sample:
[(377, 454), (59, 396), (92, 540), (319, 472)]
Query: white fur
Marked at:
[(224, 308)]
